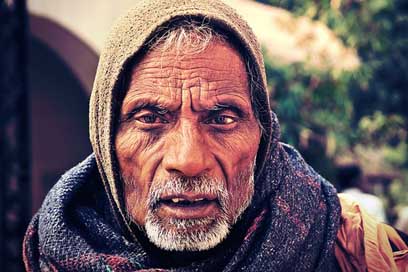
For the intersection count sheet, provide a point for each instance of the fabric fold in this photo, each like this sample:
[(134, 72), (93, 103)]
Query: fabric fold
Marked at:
[(75, 229), (364, 243)]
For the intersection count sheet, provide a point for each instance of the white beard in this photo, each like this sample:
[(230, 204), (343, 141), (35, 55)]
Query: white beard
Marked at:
[(196, 234), (204, 233)]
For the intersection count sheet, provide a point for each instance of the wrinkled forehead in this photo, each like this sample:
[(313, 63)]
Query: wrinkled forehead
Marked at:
[(184, 45), (218, 61), (189, 56), (215, 74), (182, 48)]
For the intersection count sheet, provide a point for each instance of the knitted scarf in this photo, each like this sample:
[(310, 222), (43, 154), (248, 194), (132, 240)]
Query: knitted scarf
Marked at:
[(293, 230), (291, 224)]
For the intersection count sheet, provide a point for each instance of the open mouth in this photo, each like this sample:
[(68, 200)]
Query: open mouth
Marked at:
[(181, 202), (188, 206)]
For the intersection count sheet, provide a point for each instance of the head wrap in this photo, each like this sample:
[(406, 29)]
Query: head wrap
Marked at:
[(291, 223), (127, 39)]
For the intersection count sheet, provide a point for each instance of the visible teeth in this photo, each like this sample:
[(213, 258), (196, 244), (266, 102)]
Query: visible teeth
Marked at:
[(177, 200)]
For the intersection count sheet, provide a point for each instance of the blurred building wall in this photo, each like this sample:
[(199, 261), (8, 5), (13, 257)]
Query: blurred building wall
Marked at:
[(58, 117), (89, 20)]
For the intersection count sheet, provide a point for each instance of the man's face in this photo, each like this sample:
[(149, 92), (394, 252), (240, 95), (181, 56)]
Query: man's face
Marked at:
[(186, 146)]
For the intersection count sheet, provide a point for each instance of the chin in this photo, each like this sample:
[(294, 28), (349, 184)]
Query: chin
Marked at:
[(186, 234)]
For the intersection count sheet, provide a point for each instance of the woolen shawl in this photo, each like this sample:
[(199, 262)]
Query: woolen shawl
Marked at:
[(291, 224)]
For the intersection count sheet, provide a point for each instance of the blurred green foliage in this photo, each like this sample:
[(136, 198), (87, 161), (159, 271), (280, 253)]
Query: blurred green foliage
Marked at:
[(328, 115)]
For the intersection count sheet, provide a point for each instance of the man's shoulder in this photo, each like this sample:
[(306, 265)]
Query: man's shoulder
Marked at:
[(364, 243), (77, 184)]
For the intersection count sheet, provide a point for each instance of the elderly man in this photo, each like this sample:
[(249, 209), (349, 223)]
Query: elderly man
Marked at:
[(188, 173)]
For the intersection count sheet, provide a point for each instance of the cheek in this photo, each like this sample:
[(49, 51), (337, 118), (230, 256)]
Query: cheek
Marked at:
[(240, 191), (237, 154), (237, 151), (136, 203), (136, 154), (135, 150), (130, 141)]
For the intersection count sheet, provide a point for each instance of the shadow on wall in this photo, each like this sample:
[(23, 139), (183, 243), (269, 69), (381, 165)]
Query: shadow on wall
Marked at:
[(58, 115)]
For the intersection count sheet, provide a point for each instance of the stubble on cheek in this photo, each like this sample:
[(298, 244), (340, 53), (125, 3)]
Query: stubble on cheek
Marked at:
[(240, 193), (241, 186), (135, 208), (130, 150)]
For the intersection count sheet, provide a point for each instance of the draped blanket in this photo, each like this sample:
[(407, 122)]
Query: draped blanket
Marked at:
[(294, 229), (293, 219)]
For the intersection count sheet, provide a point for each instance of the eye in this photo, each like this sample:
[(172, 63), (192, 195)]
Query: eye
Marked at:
[(221, 119), (151, 118), (148, 119)]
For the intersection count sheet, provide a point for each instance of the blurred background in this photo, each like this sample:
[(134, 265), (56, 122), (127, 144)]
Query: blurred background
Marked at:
[(337, 73)]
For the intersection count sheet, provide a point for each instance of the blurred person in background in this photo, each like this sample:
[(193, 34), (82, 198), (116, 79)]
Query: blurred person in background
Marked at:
[(352, 182)]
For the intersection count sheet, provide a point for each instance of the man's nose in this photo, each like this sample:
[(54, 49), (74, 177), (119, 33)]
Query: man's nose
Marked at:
[(187, 153)]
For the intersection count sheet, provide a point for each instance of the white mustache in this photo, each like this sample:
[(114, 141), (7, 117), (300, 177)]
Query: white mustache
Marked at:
[(197, 185)]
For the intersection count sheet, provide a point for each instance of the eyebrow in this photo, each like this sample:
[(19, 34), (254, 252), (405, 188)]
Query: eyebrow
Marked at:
[(156, 107), (222, 107)]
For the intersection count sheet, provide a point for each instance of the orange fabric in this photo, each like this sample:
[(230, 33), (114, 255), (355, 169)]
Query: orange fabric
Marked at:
[(363, 242)]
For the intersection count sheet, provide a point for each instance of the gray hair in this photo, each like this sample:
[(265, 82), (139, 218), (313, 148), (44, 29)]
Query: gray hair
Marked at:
[(188, 36)]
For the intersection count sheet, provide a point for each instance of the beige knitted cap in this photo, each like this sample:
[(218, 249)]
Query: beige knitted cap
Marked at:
[(126, 39)]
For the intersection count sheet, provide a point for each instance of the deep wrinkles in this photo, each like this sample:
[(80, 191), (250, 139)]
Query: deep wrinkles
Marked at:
[(199, 81)]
